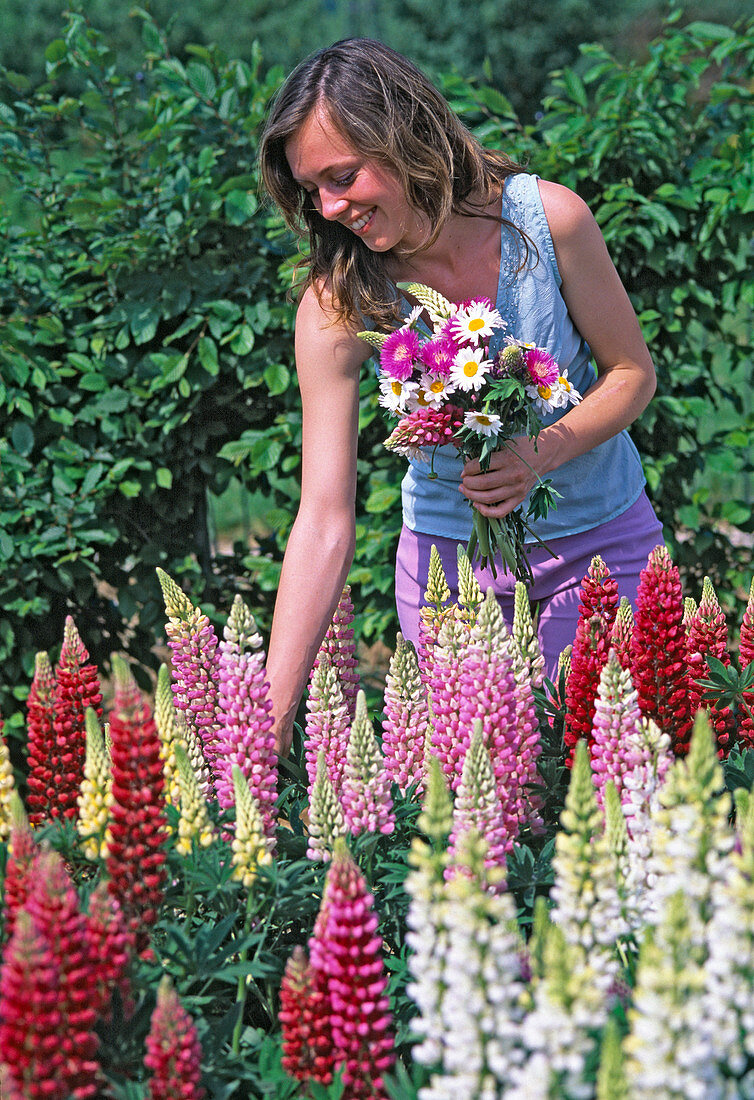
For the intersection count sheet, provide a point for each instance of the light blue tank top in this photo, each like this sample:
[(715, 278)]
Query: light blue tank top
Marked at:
[(595, 487)]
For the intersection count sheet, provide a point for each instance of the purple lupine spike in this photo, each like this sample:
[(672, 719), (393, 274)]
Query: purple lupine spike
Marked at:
[(244, 709), (327, 725), (616, 716), (477, 807), (404, 731), (448, 741), (366, 800), (195, 672), (487, 687), (338, 645)]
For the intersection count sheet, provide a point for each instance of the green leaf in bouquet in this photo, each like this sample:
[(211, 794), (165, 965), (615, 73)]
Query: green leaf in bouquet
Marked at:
[(542, 498)]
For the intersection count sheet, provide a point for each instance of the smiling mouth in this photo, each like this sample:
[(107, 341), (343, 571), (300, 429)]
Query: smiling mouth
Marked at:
[(361, 223)]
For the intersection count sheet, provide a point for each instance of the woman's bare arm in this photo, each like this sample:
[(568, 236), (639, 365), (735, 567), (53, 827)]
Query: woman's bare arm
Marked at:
[(603, 314), (321, 543)]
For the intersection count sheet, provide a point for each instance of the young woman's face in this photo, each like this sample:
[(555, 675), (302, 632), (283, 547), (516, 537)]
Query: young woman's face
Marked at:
[(347, 187)]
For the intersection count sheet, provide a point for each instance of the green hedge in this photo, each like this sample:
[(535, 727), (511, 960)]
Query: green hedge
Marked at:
[(146, 349)]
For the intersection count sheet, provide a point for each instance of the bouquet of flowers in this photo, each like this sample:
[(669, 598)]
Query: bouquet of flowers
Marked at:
[(445, 387)]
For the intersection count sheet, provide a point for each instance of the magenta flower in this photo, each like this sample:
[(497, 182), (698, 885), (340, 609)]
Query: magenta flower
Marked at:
[(308, 1053), (244, 736), (426, 427), (745, 657), (542, 368), (346, 955), (438, 355), (399, 352), (449, 739), (173, 1051)]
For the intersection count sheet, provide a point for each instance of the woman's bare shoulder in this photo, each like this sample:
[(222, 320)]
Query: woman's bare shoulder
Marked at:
[(320, 331), (567, 214)]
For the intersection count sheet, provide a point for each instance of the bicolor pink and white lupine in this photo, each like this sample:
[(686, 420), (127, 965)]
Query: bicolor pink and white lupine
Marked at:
[(244, 710), (616, 718), (405, 728), (327, 724), (365, 797), (339, 647)]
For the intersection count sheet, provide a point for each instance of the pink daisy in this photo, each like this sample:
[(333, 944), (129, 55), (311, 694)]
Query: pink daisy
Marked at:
[(399, 352), (543, 370)]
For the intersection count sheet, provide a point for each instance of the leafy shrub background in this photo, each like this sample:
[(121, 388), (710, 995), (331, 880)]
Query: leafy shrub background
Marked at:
[(146, 350)]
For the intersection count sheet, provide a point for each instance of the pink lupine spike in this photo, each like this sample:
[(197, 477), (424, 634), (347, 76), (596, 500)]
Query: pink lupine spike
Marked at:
[(244, 736), (525, 780), (745, 657), (404, 731), (448, 741), (616, 716), (487, 688), (597, 611), (707, 635), (366, 799), (658, 650), (58, 928), (346, 955), (193, 642), (339, 648), (431, 617), (327, 724), (308, 1053), (138, 828), (173, 1051), (427, 427)]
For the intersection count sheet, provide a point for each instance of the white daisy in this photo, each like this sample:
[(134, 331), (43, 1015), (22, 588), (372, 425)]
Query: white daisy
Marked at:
[(435, 388), (483, 423), (546, 398), (570, 394), (469, 369), (413, 316), (394, 394), (476, 321)]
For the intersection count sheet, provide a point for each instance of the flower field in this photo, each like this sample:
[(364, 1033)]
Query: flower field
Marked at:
[(504, 886)]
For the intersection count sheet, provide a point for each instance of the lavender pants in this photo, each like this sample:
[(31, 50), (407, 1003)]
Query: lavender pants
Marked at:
[(623, 543)]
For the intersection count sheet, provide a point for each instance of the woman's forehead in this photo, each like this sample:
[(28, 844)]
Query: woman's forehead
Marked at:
[(317, 146)]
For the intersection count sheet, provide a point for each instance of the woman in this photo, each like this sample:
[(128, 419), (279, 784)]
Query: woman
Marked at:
[(364, 155)]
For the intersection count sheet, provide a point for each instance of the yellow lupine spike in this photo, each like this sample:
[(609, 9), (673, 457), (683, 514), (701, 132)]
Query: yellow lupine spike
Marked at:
[(96, 795)]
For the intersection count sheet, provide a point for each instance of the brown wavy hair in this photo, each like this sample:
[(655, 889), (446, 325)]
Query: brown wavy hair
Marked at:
[(386, 108)]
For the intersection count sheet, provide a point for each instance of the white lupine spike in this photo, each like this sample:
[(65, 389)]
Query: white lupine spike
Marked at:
[(489, 631), (376, 339), (470, 593), (326, 821), (96, 795), (690, 609), (437, 306), (194, 820), (438, 590), (525, 635)]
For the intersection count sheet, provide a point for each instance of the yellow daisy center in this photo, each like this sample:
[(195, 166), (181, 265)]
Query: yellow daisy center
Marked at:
[(544, 392), (565, 384), (475, 324), (397, 388), (437, 386), (483, 420), (471, 368), (421, 399)]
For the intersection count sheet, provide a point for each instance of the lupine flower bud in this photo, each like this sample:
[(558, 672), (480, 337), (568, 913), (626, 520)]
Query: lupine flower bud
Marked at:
[(597, 610), (346, 952), (252, 848), (245, 736), (96, 795), (431, 617), (470, 594), (339, 647), (367, 803), (707, 635), (164, 717), (525, 636), (658, 648), (194, 824), (623, 628), (173, 1051), (138, 829), (404, 732), (326, 820), (7, 788), (193, 642), (690, 608), (41, 739)]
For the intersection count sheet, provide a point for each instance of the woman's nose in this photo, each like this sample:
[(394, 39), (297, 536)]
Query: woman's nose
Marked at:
[(331, 206)]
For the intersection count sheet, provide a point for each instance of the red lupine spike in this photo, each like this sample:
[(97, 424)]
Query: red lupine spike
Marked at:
[(77, 687), (745, 657), (51, 923), (111, 946), (707, 635), (597, 611), (41, 740), (173, 1051), (305, 1019), (22, 852), (138, 828), (658, 649)]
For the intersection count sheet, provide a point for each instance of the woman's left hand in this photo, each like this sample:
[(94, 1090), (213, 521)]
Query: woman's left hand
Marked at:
[(513, 471)]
